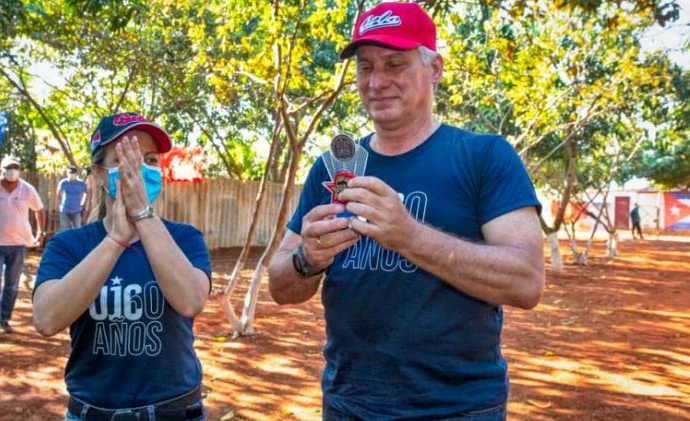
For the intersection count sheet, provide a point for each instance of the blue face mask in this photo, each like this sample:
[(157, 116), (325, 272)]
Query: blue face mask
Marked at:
[(153, 181)]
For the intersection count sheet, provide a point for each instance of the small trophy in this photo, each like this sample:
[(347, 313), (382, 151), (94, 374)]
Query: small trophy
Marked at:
[(345, 161)]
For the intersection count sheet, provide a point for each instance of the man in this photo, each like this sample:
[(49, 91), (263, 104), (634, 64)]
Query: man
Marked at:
[(71, 193), (446, 233), (16, 198), (636, 221)]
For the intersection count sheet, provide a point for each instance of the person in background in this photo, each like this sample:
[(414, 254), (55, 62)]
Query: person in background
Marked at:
[(128, 285), (71, 193), (17, 198), (636, 221)]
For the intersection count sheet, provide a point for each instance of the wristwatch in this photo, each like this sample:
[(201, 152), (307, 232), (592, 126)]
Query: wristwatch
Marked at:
[(302, 266), (146, 212)]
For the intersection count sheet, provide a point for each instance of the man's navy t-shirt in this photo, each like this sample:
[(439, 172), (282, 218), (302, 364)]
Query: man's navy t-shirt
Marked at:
[(130, 348), (402, 343)]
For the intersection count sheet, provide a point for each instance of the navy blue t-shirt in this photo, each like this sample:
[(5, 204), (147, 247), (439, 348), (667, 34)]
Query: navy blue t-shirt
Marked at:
[(130, 348), (402, 343)]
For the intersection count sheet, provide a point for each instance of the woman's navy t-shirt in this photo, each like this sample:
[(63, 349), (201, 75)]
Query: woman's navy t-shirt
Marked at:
[(130, 347)]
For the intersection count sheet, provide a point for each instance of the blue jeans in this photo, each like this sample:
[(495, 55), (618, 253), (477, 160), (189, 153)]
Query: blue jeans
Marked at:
[(70, 220), (496, 413), (12, 258)]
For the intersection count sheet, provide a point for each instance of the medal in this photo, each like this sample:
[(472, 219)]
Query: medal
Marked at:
[(345, 161), (343, 150)]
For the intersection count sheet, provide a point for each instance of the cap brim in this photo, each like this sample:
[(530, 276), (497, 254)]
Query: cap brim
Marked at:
[(162, 139), (387, 41)]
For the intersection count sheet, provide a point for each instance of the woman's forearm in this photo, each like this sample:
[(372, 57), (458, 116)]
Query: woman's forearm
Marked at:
[(59, 302), (185, 287)]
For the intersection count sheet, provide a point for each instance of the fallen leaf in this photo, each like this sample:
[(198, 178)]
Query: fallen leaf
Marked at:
[(228, 416), (220, 338), (539, 404), (549, 354)]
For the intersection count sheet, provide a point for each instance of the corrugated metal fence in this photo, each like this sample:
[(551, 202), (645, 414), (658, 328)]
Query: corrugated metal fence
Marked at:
[(220, 208)]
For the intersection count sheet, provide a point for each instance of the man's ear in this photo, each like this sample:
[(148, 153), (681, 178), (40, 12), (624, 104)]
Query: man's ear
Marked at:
[(437, 69)]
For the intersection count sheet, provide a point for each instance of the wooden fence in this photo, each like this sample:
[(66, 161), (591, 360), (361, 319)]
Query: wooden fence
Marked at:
[(220, 208)]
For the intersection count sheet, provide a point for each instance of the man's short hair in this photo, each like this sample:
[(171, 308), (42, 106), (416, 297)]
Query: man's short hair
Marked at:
[(427, 55)]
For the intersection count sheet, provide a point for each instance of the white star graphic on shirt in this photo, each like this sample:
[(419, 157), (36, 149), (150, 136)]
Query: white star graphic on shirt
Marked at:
[(675, 211), (116, 280)]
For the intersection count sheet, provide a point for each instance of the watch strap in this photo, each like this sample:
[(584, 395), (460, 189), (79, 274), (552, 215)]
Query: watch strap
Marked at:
[(146, 212), (301, 264)]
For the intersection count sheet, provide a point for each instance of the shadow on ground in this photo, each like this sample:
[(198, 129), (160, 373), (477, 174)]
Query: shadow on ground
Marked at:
[(610, 341)]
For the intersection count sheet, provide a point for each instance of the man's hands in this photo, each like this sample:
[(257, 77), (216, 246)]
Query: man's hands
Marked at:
[(387, 220), (324, 235)]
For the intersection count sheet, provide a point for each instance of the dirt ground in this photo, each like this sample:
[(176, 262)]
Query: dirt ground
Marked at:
[(610, 341)]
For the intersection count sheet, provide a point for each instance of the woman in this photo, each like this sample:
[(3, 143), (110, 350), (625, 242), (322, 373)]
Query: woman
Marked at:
[(128, 285)]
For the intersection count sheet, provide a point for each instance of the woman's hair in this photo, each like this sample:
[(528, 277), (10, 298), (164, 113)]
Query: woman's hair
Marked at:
[(98, 201)]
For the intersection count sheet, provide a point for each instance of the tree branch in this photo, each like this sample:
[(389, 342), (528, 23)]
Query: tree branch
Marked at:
[(53, 128)]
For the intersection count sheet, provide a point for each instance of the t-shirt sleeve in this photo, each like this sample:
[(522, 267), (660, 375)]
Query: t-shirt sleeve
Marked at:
[(312, 195), (56, 262), (61, 185), (505, 185), (191, 241), (35, 202)]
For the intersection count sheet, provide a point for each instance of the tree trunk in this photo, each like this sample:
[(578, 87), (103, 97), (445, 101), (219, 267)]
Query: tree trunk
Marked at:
[(552, 232), (291, 125), (244, 254), (556, 262), (612, 245), (249, 310), (286, 165)]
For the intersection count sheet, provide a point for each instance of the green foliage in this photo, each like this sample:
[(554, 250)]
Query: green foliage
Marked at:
[(541, 73)]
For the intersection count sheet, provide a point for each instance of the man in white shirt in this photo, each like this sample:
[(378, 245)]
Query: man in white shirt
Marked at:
[(16, 198)]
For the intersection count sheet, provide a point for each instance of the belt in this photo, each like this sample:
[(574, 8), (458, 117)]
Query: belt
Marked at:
[(175, 409)]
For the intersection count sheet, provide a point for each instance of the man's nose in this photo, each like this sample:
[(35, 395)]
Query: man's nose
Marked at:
[(378, 80)]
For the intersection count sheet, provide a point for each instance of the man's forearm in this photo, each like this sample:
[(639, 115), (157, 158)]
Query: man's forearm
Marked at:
[(40, 216), (285, 284), (494, 273)]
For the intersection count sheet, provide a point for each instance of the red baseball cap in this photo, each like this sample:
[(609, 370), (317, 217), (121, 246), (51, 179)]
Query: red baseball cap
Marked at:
[(113, 126), (400, 26)]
